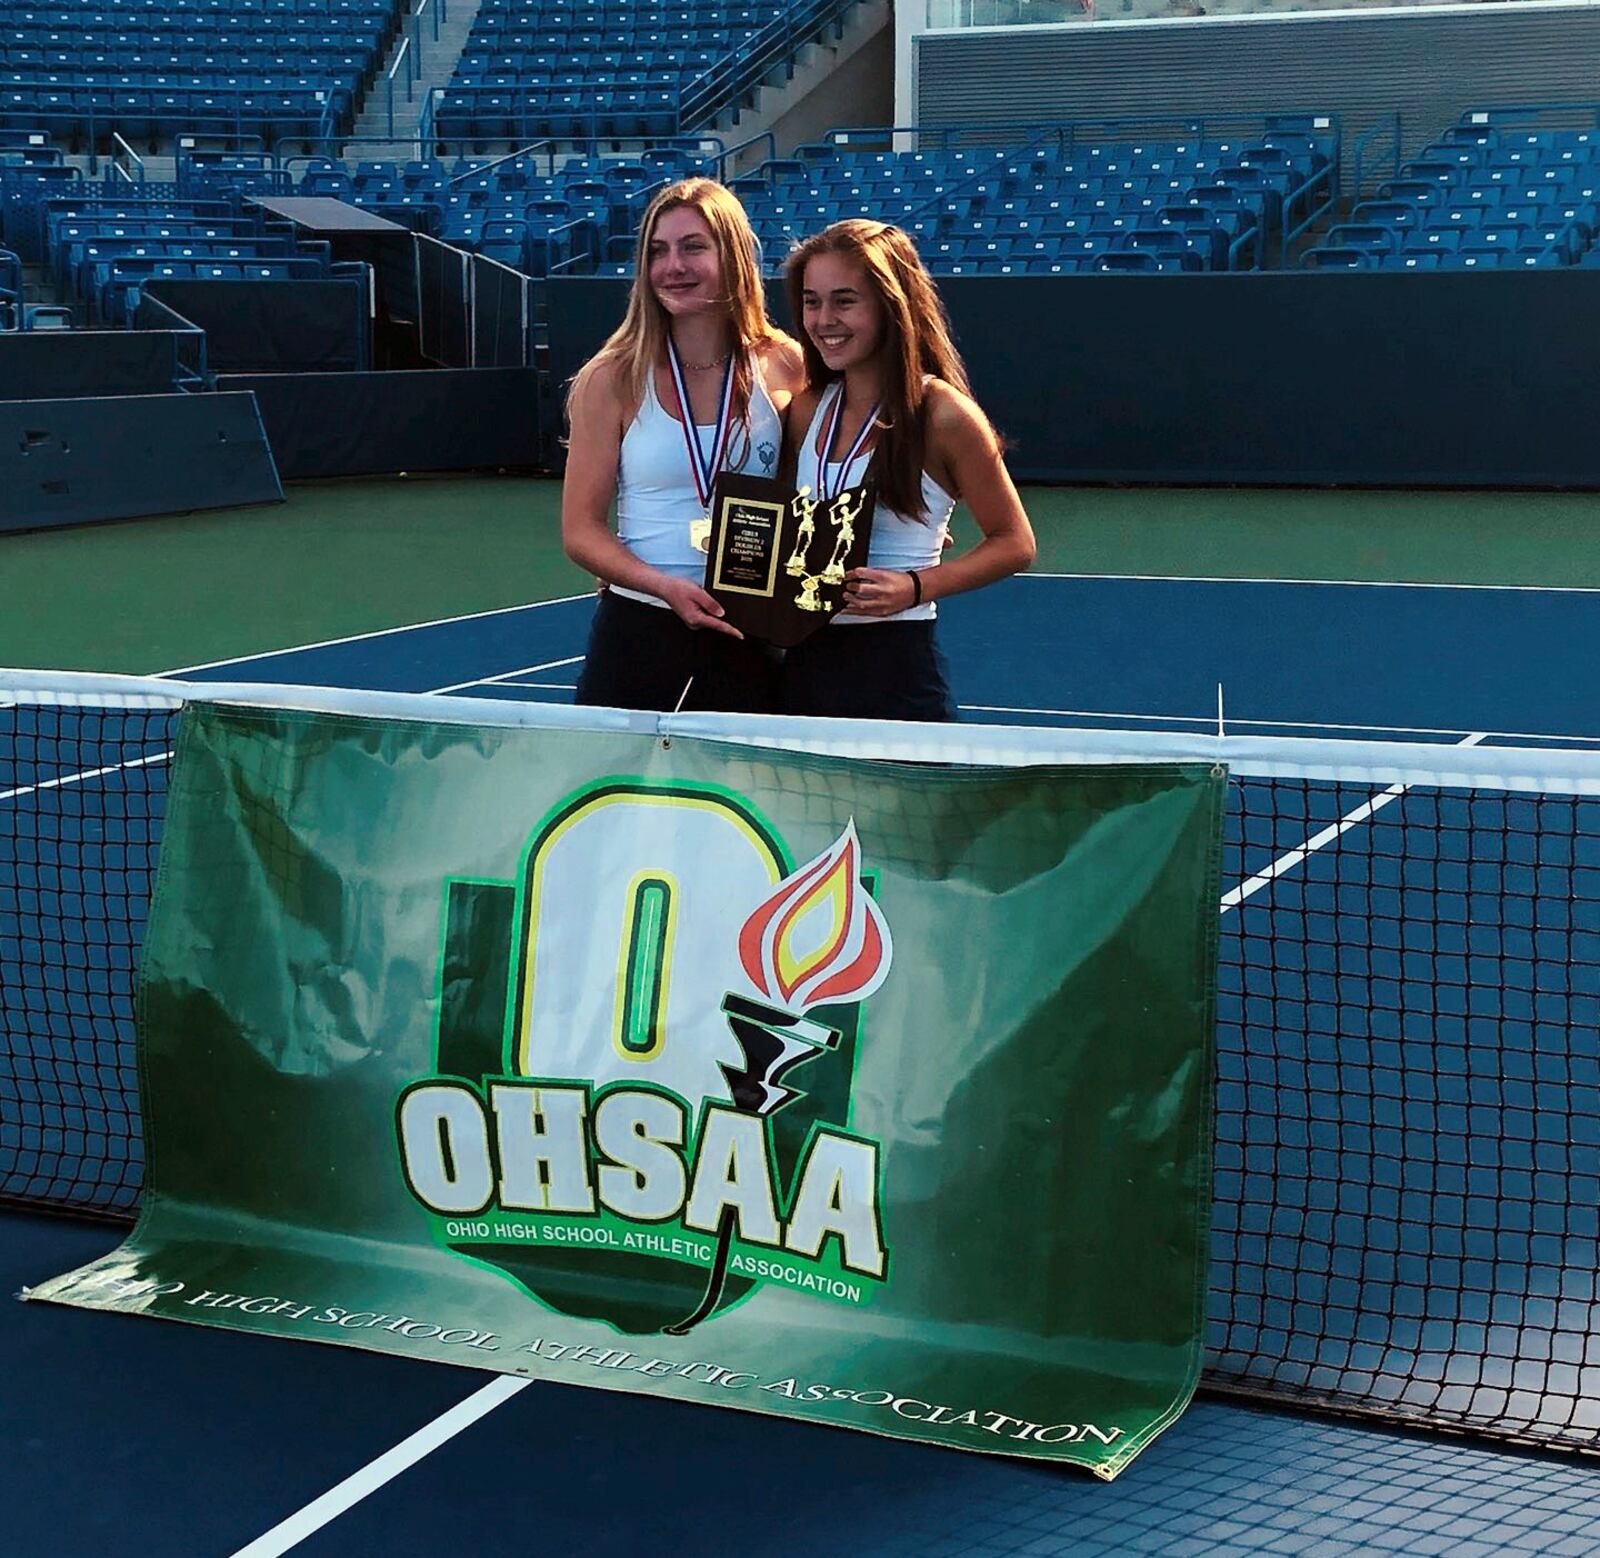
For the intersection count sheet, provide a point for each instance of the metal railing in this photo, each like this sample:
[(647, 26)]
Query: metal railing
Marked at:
[(1358, 154), (399, 60), (726, 158), (517, 118), (120, 148), (1314, 211), (531, 150), (224, 114), (775, 46)]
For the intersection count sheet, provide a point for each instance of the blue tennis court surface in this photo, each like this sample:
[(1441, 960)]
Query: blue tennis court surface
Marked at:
[(1048, 648), (175, 1440)]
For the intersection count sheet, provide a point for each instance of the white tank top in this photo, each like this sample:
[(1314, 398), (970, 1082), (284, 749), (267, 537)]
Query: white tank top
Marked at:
[(899, 541), (656, 499)]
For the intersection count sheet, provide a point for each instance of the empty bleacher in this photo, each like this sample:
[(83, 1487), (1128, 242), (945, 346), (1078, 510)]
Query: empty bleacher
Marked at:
[(1501, 189), (1480, 196), (1210, 203), (1123, 201), (542, 223), (98, 244), (235, 69), (537, 69)]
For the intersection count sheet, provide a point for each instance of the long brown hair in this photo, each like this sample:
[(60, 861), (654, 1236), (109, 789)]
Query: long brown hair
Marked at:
[(916, 343), (640, 341)]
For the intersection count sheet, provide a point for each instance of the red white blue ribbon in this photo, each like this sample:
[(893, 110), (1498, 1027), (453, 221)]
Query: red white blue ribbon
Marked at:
[(829, 432), (701, 467)]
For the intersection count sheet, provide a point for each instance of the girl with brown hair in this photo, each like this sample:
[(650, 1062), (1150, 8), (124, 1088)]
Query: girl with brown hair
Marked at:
[(695, 380), (886, 394)]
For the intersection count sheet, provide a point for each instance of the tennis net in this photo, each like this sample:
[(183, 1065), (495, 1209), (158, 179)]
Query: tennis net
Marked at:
[(1406, 1211)]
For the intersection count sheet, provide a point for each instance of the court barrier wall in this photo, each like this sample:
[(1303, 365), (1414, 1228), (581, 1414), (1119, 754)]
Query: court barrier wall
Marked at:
[(502, 315), (444, 303), (471, 312), (351, 424), (53, 365), (272, 326), (1360, 379), (1374, 380), (66, 462)]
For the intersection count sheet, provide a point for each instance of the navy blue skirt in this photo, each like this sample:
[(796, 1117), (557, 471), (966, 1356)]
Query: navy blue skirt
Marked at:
[(642, 657), (879, 670)]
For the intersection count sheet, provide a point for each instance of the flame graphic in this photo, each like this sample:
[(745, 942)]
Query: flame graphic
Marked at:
[(819, 938)]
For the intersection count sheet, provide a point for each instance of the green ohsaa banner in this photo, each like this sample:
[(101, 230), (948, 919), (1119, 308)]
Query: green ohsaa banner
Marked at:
[(866, 1093)]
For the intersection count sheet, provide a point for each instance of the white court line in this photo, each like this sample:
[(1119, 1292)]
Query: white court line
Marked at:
[(356, 638), (528, 670), (501, 678), (1205, 722), (161, 757), (1361, 584), (321, 1511), (1302, 852), (88, 773)]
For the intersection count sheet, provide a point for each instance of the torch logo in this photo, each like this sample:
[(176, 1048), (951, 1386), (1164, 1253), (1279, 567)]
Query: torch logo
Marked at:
[(818, 940), (658, 1122)]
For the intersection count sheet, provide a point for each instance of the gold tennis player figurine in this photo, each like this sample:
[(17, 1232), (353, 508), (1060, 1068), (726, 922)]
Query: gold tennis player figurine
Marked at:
[(806, 507), (844, 524)]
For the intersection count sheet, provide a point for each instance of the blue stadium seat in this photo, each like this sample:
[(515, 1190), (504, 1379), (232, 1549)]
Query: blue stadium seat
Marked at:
[(1474, 259), (504, 239), (1333, 257), (1372, 238), (1502, 236), (1167, 244), (1440, 238), (1129, 260)]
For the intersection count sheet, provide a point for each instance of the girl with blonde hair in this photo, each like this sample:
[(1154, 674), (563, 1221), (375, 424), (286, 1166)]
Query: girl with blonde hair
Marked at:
[(886, 395), (695, 380)]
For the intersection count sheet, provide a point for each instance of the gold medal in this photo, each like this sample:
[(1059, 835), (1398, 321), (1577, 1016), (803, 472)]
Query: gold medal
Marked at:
[(700, 533)]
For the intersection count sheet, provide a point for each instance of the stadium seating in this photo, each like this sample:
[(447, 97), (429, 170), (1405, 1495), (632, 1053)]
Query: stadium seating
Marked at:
[(1482, 195), (98, 244), (1209, 203), (541, 223), (242, 68), (1055, 207), (587, 68), (1478, 197)]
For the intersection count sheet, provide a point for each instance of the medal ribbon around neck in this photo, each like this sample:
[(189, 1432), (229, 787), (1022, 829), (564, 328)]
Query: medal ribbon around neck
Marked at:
[(829, 430), (703, 470)]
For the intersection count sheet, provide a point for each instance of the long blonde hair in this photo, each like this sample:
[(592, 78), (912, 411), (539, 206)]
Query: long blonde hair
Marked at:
[(916, 344), (640, 341)]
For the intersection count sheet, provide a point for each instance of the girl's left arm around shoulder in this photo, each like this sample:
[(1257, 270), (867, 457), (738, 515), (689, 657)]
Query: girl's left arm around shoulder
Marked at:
[(784, 369)]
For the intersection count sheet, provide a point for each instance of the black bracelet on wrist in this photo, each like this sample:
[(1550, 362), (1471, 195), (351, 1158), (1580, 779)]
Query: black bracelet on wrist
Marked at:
[(916, 586)]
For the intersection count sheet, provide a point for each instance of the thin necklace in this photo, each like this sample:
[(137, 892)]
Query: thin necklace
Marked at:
[(706, 367)]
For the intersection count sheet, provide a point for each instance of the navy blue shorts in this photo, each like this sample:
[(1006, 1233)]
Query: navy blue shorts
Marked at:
[(880, 670), (640, 657)]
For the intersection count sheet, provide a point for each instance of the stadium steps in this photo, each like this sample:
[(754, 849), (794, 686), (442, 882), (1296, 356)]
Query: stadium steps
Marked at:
[(370, 136), (801, 107)]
